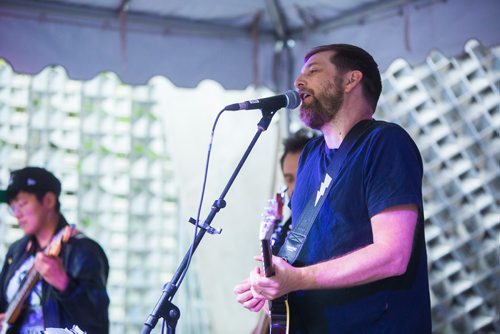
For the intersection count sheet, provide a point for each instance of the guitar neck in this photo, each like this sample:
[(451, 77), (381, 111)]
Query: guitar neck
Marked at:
[(273, 215), (15, 306), (267, 256)]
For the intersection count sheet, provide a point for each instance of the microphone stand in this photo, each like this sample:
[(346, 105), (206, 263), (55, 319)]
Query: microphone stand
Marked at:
[(164, 307)]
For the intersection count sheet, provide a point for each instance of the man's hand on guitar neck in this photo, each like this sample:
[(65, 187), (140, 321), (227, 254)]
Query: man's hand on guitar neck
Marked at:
[(254, 291), (286, 279), (52, 271)]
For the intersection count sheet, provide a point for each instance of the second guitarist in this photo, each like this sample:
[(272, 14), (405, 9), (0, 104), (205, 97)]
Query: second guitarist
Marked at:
[(72, 290), (289, 161)]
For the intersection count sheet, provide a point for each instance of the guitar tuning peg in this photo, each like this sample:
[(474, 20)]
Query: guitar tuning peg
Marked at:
[(283, 191)]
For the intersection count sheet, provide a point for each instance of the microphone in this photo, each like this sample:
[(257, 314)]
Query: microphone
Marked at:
[(290, 100)]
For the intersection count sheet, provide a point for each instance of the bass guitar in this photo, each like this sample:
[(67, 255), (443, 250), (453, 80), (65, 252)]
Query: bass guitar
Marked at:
[(17, 304), (278, 308)]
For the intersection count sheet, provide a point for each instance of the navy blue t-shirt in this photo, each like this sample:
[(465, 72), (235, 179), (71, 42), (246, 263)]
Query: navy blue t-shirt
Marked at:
[(383, 170)]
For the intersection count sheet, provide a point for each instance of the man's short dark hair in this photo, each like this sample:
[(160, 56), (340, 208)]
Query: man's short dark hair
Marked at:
[(295, 143), (348, 57)]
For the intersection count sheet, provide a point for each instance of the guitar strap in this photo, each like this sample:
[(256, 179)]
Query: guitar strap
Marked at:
[(297, 236)]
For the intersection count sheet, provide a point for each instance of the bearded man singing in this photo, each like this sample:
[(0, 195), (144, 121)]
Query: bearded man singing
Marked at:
[(363, 266)]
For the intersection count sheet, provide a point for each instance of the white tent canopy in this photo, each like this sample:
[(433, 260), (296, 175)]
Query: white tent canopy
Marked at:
[(234, 42)]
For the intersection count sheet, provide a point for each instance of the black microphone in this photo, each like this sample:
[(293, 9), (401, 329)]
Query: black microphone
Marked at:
[(290, 100)]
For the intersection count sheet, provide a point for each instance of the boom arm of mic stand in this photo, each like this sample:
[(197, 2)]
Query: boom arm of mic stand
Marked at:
[(164, 307)]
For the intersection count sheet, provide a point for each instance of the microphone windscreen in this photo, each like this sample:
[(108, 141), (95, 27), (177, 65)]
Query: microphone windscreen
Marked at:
[(293, 99)]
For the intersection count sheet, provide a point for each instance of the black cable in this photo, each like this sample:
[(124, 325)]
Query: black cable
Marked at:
[(200, 205)]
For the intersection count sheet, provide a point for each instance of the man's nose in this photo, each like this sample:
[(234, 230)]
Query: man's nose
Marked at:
[(299, 81), (17, 213)]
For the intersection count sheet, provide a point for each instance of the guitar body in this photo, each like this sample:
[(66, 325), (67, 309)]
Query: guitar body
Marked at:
[(279, 314)]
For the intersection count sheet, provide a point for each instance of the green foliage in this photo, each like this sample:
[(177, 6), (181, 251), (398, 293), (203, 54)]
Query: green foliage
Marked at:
[(86, 222)]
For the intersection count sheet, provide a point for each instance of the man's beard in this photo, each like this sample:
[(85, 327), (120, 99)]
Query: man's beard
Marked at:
[(316, 114)]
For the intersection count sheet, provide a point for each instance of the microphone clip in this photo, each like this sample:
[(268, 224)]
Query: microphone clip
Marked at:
[(205, 226)]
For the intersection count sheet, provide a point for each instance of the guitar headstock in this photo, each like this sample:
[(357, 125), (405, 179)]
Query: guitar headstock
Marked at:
[(273, 215), (54, 247)]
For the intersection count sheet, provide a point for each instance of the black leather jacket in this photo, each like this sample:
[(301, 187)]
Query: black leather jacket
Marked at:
[(85, 302)]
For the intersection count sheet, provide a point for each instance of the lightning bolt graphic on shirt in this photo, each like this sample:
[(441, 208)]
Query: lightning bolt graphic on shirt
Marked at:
[(322, 188)]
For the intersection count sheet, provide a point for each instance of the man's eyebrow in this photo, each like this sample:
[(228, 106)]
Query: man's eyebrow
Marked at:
[(312, 64)]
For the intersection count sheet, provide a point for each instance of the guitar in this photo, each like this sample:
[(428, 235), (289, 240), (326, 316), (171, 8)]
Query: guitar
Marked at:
[(18, 302), (278, 308)]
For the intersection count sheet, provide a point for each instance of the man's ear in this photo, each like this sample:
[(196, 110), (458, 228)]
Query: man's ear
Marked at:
[(49, 200), (352, 79)]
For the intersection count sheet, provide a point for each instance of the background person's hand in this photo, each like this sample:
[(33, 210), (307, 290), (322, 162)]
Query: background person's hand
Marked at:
[(52, 271)]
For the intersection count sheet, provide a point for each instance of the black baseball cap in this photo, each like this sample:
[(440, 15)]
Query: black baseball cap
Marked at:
[(30, 179)]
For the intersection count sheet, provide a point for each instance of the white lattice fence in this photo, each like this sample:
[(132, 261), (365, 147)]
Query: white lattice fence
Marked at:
[(105, 141), (451, 107)]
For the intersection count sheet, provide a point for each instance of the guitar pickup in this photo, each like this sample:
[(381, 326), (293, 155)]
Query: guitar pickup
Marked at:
[(206, 227)]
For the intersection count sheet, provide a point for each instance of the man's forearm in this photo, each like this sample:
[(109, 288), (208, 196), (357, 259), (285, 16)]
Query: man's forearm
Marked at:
[(368, 264), (388, 255)]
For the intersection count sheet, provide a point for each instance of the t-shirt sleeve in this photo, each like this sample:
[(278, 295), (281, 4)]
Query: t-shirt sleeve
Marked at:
[(393, 171)]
